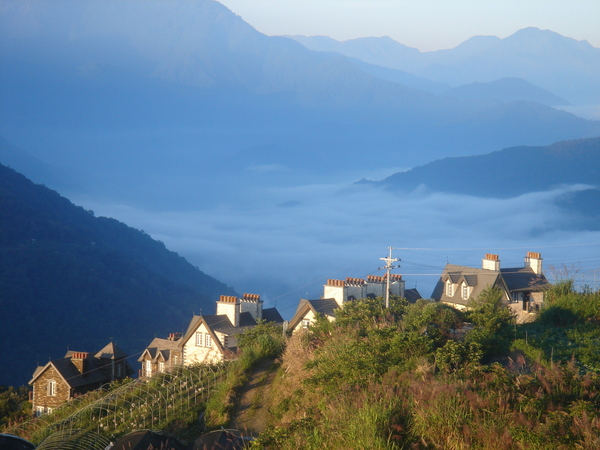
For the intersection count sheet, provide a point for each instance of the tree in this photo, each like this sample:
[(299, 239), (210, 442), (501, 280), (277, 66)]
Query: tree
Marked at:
[(493, 322)]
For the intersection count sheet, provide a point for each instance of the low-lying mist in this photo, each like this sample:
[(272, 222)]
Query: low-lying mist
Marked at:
[(283, 243)]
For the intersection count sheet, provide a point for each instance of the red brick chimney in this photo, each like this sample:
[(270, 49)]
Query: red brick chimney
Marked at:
[(79, 360)]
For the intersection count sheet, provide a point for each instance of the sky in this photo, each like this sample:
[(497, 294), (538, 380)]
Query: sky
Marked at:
[(424, 24)]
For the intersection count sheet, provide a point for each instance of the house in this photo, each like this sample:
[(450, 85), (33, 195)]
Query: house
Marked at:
[(77, 373), (336, 293), (211, 339), (161, 355), (522, 287)]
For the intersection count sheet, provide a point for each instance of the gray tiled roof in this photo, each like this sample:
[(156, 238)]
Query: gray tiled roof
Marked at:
[(412, 295), (510, 279), (93, 375), (524, 279), (111, 351), (478, 279), (325, 306), (272, 315)]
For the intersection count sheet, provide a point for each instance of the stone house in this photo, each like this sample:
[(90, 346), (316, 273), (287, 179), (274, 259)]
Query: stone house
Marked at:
[(336, 293), (213, 338), (161, 355), (522, 287), (77, 373)]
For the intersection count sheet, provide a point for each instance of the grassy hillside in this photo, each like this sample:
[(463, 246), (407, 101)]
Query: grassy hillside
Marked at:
[(72, 280), (378, 380), (408, 377)]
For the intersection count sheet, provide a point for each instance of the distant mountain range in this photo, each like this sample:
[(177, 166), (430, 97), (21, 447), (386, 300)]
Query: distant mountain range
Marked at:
[(506, 173), (72, 280), (188, 87), (561, 65), (516, 171)]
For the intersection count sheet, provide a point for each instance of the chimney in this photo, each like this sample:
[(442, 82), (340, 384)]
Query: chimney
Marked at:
[(229, 305), (174, 336), (253, 304), (490, 262), (335, 289), (534, 261), (79, 360)]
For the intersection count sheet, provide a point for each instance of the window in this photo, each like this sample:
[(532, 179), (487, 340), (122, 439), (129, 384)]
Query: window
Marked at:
[(305, 323), (198, 339), (161, 366), (49, 410), (449, 292), (39, 410), (465, 291), (51, 387), (175, 360), (208, 341), (148, 367), (516, 296)]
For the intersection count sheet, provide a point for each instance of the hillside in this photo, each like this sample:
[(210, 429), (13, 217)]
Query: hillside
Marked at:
[(72, 280), (411, 376), (508, 172)]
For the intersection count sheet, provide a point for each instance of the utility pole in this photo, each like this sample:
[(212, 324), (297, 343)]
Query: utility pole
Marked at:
[(389, 265)]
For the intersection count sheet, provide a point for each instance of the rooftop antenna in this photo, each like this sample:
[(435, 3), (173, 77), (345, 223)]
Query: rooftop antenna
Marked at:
[(389, 265)]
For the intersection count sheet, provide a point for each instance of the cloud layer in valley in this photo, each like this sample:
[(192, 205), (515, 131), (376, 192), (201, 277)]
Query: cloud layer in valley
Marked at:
[(286, 242)]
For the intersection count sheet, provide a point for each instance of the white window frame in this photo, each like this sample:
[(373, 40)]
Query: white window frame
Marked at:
[(148, 368), (208, 340), (449, 288), (465, 291), (51, 388), (161, 366), (305, 323), (199, 339), (39, 410)]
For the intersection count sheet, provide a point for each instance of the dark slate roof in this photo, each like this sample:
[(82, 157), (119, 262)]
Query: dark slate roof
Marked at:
[(160, 346), (93, 374), (524, 279), (412, 295), (510, 279), (111, 351), (482, 279), (325, 306), (471, 279), (272, 315)]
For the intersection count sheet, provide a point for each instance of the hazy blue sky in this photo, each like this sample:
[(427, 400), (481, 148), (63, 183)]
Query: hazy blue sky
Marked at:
[(424, 24)]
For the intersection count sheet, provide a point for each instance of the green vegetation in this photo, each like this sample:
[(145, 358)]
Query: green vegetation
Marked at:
[(415, 376), (415, 379)]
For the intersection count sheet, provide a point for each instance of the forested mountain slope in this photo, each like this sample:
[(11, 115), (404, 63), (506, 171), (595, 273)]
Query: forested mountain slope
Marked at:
[(72, 280)]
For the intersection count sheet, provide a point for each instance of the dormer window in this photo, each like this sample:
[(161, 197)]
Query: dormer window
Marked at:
[(449, 292), (465, 291)]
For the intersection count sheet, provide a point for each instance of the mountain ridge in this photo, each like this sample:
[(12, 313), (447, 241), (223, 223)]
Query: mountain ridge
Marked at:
[(68, 278)]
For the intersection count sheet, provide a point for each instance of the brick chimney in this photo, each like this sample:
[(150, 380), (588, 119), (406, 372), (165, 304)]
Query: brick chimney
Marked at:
[(79, 360), (174, 336), (534, 261), (253, 304), (490, 262), (229, 305), (335, 289)]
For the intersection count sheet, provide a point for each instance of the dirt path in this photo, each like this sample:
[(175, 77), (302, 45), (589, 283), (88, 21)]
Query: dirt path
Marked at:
[(251, 415)]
